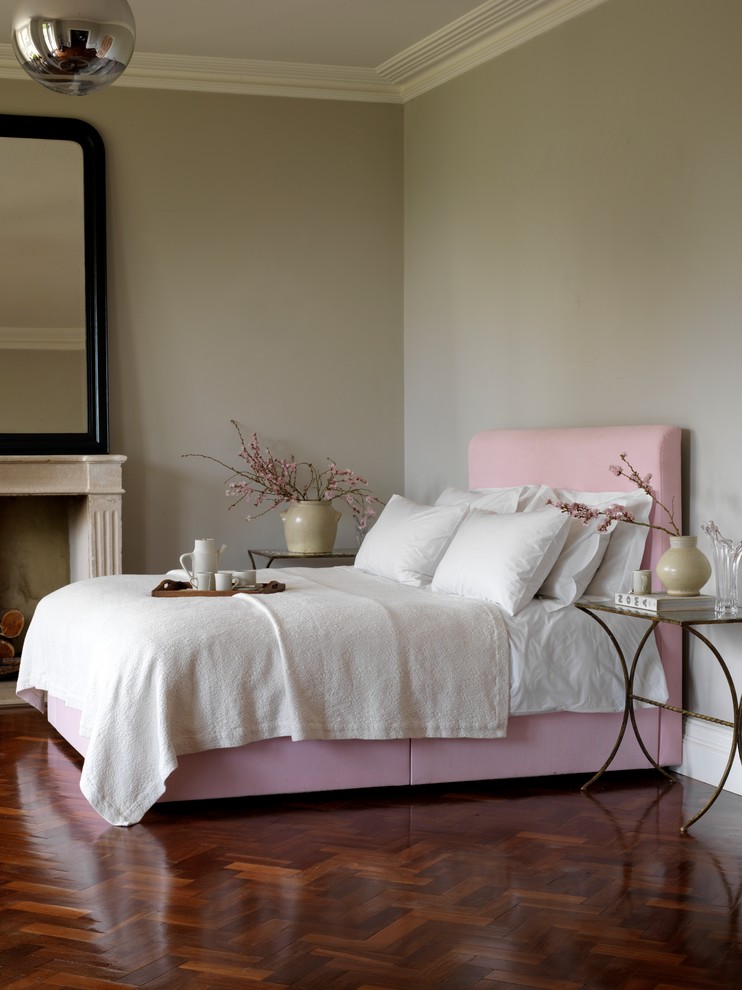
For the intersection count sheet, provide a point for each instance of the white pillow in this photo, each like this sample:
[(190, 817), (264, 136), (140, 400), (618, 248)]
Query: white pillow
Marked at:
[(581, 556), (626, 544), (495, 499), (502, 558), (534, 497), (408, 540)]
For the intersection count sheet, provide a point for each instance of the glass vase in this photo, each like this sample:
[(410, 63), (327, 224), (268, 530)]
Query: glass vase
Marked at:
[(726, 557)]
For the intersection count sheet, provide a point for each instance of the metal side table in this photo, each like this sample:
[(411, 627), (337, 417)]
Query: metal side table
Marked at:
[(687, 620)]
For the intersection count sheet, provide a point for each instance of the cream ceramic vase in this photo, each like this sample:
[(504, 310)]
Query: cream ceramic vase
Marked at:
[(683, 569), (310, 527)]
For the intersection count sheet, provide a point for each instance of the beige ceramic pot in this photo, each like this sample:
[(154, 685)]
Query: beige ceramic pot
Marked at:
[(310, 527), (683, 569)]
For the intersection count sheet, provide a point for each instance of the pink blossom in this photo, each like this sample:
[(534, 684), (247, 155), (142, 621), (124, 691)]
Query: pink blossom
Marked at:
[(617, 513), (266, 478)]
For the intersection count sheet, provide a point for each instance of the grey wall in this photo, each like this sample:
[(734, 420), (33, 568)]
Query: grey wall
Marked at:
[(574, 249)]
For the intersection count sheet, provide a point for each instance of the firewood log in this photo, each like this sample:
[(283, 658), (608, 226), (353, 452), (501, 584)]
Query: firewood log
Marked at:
[(11, 622), (7, 650)]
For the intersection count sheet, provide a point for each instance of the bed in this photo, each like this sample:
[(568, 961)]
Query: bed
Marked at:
[(557, 715)]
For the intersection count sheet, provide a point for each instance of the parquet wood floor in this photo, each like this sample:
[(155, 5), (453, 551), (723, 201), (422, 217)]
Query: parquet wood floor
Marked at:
[(504, 886)]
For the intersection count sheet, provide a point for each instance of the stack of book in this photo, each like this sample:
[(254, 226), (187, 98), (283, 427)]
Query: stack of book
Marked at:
[(660, 604)]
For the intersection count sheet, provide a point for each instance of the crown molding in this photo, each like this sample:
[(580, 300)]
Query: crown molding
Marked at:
[(42, 338), (480, 36), (455, 38), (241, 77), (491, 29)]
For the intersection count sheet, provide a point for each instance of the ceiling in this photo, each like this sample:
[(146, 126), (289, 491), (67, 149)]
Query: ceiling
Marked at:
[(375, 50)]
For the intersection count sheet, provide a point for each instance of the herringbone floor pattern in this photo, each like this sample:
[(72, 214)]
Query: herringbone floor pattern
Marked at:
[(512, 885)]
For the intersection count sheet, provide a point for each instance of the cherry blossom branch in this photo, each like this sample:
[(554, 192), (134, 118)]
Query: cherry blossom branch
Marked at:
[(278, 480), (617, 513)]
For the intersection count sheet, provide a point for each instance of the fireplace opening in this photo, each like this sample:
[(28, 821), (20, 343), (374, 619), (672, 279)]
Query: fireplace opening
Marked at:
[(34, 553)]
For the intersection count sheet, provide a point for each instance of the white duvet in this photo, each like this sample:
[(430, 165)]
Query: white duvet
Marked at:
[(339, 654)]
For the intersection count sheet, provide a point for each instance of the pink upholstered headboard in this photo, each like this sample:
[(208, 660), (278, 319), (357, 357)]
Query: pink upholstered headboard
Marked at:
[(580, 458)]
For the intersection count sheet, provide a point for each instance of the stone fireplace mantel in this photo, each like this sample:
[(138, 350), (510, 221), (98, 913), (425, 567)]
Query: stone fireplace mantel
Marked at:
[(93, 484)]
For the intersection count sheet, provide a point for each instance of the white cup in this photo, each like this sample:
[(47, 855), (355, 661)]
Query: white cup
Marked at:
[(204, 581), (244, 579), (224, 581), (642, 582)]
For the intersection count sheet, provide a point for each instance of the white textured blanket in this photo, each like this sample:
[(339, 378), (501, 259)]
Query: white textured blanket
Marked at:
[(339, 654)]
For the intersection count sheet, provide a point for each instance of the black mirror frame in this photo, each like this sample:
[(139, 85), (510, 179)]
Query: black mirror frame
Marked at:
[(95, 440)]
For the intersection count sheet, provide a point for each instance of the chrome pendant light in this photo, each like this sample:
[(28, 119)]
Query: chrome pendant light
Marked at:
[(73, 46)]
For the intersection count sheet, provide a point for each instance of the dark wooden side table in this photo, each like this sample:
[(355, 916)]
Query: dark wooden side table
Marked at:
[(345, 553), (687, 620)]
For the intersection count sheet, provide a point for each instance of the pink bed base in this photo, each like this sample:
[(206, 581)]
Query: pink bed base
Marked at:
[(535, 745)]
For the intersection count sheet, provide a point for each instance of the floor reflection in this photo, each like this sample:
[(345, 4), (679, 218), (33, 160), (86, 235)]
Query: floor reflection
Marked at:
[(522, 883)]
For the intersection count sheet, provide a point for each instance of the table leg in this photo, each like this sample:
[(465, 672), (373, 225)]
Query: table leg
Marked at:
[(628, 708), (632, 713), (736, 726)]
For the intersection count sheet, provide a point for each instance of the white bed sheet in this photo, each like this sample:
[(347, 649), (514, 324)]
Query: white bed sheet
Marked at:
[(564, 661)]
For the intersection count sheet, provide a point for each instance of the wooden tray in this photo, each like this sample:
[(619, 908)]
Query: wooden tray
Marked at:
[(182, 589)]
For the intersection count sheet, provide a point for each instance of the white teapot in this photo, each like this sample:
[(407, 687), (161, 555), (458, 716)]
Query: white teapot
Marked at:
[(203, 557)]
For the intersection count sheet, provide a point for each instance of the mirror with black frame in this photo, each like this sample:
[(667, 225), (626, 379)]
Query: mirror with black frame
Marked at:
[(53, 310)]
